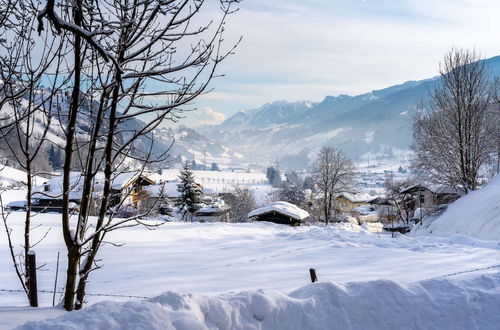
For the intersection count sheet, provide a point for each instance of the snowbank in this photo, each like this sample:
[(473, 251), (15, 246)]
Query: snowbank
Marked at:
[(467, 303), (476, 214)]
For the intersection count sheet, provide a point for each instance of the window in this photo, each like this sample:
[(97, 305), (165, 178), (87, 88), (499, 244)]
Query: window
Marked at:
[(46, 187)]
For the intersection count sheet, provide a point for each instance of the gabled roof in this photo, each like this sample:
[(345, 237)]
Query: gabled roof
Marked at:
[(434, 188), (281, 207), (358, 197), (76, 182)]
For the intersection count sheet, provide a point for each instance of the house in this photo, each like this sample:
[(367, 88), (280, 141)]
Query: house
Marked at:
[(216, 211), (127, 189), (429, 197), (349, 201), (280, 212), (386, 208)]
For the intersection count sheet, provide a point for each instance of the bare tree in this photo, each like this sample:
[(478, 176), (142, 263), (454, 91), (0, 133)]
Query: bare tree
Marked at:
[(147, 60), (494, 121), (26, 112), (404, 202), (241, 202), (292, 193), (452, 141), (333, 174)]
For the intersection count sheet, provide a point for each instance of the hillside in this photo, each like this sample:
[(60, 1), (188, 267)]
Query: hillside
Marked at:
[(476, 214), (375, 124), (188, 143)]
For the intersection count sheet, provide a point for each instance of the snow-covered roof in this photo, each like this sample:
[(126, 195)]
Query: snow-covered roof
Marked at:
[(285, 208), (10, 175), (76, 181), (435, 188), (365, 210), (358, 197), (217, 206)]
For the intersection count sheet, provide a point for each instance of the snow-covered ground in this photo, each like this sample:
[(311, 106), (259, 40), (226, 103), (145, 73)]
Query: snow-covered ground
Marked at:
[(470, 303), (216, 261), (10, 176), (476, 214)]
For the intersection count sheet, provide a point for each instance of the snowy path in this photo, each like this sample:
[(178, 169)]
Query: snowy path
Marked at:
[(218, 258)]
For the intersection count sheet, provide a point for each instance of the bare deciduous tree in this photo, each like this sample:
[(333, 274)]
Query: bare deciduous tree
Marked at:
[(241, 202), (132, 59), (452, 141), (403, 202), (333, 174), (26, 108)]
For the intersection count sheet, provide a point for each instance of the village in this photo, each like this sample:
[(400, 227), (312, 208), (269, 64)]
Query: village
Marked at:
[(157, 194), (249, 164)]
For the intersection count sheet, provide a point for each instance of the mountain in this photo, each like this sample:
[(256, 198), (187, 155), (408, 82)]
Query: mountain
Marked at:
[(188, 143), (371, 125)]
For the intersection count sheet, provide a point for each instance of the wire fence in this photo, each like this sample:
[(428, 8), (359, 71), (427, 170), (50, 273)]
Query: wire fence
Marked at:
[(145, 297), (468, 271), (87, 294)]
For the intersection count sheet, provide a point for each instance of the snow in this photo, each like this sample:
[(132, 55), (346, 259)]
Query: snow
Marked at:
[(119, 181), (222, 275), (466, 303), (366, 210), (10, 176), (358, 197), (283, 208), (476, 214)]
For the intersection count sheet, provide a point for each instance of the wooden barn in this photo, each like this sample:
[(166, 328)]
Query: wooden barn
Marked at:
[(280, 212)]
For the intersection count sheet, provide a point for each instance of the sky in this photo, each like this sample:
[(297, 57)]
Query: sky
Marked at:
[(304, 50)]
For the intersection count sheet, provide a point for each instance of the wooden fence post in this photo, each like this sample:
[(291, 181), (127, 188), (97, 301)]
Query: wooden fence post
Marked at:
[(312, 272), (33, 294)]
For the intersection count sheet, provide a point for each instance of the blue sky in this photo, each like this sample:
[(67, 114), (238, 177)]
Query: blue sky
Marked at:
[(305, 50)]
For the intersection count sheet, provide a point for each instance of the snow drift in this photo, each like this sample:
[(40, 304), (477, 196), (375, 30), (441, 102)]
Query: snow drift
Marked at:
[(460, 303), (476, 214)]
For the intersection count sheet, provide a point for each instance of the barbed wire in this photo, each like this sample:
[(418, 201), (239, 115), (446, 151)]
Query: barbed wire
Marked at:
[(468, 271), (87, 294), (144, 297)]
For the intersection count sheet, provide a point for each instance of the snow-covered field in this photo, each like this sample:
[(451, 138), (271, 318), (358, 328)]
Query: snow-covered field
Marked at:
[(217, 261)]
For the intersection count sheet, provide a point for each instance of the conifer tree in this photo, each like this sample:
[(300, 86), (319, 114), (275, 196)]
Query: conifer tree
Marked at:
[(190, 193)]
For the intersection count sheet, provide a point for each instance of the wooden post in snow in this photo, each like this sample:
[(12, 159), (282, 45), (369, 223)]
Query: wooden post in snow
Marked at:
[(33, 294), (312, 272)]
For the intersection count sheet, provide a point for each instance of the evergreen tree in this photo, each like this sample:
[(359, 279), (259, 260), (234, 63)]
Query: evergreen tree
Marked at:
[(273, 176), (190, 193), (214, 167), (54, 157), (308, 183), (194, 165)]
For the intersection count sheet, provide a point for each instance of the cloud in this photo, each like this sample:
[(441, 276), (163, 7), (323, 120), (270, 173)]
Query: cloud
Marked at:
[(296, 50), (206, 116)]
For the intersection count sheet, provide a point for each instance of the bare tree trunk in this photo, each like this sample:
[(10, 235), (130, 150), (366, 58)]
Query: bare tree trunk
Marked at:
[(69, 238)]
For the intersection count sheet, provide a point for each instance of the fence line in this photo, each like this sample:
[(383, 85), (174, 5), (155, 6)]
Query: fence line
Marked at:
[(87, 294), (468, 271), (144, 297)]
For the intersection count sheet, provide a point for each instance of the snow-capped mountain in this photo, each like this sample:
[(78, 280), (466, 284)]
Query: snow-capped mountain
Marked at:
[(187, 143), (377, 123)]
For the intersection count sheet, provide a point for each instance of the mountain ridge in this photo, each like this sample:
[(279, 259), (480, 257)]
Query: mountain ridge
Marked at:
[(371, 124)]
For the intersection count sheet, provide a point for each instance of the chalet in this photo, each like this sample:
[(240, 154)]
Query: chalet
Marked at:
[(216, 211), (127, 189), (349, 201), (280, 212), (428, 197)]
